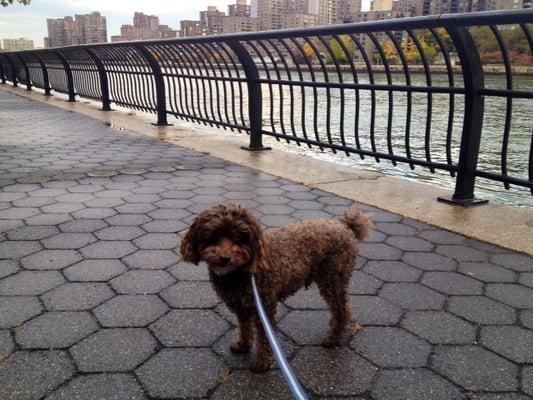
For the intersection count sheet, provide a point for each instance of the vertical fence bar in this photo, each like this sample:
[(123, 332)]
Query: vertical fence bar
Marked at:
[(13, 71), (159, 84), (46, 79), (104, 83), (26, 71), (473, 118), (255, 96), (2, 74), (70, 79)]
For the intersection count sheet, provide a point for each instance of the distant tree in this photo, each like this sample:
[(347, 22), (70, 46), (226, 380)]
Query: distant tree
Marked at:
[(338, 52), (5, 3)]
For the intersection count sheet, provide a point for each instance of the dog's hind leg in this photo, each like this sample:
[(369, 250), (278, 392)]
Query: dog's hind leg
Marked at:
[(246, 332), (333, 286), (264, 359)]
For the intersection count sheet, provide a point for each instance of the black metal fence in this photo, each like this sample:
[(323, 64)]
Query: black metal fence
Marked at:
[(410, 90)]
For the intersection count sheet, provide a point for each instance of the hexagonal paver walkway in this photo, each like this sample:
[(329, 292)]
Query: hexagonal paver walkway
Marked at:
[(94, 303)]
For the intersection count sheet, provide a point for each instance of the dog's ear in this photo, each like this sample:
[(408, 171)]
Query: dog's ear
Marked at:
[(188, 250), (259, 258)]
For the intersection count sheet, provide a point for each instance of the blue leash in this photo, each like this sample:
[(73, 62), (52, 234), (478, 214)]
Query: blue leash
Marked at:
[(295, 387)]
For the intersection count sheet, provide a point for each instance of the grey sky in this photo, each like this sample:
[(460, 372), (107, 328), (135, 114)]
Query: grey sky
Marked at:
[(30, 21)]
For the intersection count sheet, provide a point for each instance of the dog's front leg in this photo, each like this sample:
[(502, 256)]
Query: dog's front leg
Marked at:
[(246, 332), (264, 359)]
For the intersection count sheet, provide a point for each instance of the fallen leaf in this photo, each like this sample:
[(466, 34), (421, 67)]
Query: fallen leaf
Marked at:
[(224, 378), (356, 328)]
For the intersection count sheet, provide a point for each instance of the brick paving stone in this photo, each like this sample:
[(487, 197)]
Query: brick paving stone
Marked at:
[(514, 261), (91, 270), (190, 295), (392, 271), (526, 317), (414, 384), (32, 232), (29, 283), (77, 296), (500, 396), (396, 229), (363, 283), (309, 299), (244, 385), (409, 243), (316, 325), (189, 272), (83, 225), (128, 219), (526, 279), (100, 386), (94, 213), (412, 296), (430, 261), (14, 310), (512, 342), (487, 272), (439, 327), (17, 249), (31, 375), (68, 241), (108, 249), (461, 253), (379, 251), (142, 282), (527, 380), (181, 373), (113, 350), (130, 311), (7, 346), (60, 208), (329, 372), (51, 259), (452, 283), (18, 213), (442, 237), (157, 241), (475, 368), (391, 347), (186, 328), (373, 310), (55, 330), (8, 267), (481, 310), (151, 259), (514, 295)]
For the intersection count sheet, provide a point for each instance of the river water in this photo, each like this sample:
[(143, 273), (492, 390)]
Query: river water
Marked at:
[(521, 132)]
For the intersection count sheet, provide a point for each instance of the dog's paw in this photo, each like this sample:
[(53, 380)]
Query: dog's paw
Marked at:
[(261, 365), (239, 347)]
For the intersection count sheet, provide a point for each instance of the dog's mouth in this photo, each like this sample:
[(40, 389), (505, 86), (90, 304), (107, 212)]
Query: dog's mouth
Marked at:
[(222, 268)]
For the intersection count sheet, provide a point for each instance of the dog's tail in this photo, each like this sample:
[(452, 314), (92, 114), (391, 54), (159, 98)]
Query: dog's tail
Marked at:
[(359, 224)]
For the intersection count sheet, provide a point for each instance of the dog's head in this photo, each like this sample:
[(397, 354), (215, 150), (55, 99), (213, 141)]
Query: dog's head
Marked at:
[(227, 237)]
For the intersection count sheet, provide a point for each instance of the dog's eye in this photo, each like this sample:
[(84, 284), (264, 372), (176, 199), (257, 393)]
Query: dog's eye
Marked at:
[(242, 237)]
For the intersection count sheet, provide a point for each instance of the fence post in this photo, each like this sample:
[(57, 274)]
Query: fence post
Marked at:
[(26, 70), (46, 79), (68, 72), (255, 97), (104, 83), (159, 85), (13, 71), (2, 73), (473, 118)]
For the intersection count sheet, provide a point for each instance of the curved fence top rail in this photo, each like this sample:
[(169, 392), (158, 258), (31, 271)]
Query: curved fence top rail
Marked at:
[(414, 91)]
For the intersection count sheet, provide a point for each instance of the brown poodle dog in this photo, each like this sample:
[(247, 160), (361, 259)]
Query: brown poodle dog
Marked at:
[(230, 240)]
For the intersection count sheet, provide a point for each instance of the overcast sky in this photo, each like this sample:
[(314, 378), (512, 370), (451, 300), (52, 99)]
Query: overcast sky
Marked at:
[(30, 21)]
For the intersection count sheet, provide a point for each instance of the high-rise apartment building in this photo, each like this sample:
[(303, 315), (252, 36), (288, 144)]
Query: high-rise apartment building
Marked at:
[(144, 27), (191, 28), (239, 18), (239, 9), (337, 11), (17, 44), (212, 20), (83, 29), (299, 20), (90, 28), (268, 13)]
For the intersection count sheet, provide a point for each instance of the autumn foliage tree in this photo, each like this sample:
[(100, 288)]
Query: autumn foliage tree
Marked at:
[(6, 3)]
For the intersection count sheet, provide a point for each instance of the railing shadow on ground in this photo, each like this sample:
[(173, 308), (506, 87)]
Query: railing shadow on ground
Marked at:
[(348, 88)]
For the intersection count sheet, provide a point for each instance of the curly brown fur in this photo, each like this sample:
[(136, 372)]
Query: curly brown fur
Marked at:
[(230, 240)]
